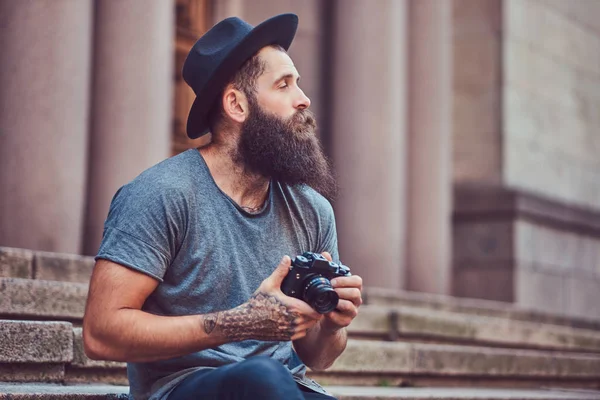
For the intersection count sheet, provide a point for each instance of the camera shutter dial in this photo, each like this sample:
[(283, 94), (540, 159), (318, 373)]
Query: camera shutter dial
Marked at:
[(302, 261)]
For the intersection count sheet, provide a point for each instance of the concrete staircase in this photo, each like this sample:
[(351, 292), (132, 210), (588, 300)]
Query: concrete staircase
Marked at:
[(402, 346)]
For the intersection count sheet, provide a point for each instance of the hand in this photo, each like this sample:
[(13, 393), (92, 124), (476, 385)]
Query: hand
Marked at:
[(268, 315), (349, 289)]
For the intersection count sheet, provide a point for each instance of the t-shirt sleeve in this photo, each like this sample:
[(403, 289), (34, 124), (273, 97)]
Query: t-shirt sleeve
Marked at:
[(144, 228)]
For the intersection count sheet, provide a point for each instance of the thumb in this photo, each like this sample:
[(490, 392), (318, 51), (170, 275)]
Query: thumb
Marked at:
[(281, 271)]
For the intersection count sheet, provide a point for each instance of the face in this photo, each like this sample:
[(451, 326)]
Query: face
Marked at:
[(277, 139), (277, 88)]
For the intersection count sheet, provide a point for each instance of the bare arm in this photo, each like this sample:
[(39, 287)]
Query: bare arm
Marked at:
[(115, 328)]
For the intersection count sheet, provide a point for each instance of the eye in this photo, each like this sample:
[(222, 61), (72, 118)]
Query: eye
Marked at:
[(283, 86)]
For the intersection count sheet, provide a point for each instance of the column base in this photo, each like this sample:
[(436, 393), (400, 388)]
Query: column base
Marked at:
[(514, 246)]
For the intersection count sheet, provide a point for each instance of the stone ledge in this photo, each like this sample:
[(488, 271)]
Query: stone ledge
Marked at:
[(108, 392), (420, 315), (454, 393), (485, 203), (109, 376), (42, 299), (60, 392), (35, 351), (481, 307), (29, 372), (449, 360), (62, 267), (29, 264), (36, 342), (418, 323), (16, 263)]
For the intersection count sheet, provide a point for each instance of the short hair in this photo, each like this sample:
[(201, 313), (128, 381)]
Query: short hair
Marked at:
[(244, 80)]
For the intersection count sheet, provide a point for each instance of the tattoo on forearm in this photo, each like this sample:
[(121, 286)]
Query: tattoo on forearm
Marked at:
[(263, 317), (210, 321)]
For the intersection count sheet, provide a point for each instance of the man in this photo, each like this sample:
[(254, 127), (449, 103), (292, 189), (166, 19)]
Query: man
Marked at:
[(186, 286)]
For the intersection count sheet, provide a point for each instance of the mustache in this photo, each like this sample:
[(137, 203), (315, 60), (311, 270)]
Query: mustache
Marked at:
[(304, 118)]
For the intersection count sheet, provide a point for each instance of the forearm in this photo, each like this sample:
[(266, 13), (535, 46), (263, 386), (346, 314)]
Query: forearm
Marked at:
[(320, 347), (137, 336)]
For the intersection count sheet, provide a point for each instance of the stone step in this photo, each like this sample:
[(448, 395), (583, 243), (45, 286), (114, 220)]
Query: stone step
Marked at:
[(377, 363), (412, 323), (43, 351), (40, 299), (40, 391), (53, 300), (84, 370), (106, 392), (33, 351), (454, 393), (53, 352), (28, 264), (487, 308)]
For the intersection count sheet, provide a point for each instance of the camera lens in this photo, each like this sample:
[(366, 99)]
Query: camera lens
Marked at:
[(319, 294)]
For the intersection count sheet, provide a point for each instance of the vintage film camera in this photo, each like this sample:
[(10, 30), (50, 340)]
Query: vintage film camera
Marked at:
[(309, 280)]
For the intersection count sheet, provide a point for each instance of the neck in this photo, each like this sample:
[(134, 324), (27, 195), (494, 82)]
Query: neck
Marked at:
[(248, 190)]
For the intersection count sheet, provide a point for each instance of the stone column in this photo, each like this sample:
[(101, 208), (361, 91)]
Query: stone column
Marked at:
[(430, 150), (368, 131), (227, 8), (44, 103), (132, 99)]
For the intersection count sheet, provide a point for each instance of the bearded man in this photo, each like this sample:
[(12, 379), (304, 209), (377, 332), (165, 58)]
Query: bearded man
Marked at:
[(187, 287)]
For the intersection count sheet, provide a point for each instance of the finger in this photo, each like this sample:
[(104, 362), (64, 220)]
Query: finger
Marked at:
[(352, 294), (347, 281), (339, 320), (301, 308), (303, 320), (305, 326), (327, 256), (347, 308), (281, 271), (299, 335)]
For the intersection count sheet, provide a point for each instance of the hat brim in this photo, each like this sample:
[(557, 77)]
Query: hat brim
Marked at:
[(277, 30)]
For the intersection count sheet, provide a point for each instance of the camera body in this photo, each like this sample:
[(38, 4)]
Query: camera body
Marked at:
[(310, 278)]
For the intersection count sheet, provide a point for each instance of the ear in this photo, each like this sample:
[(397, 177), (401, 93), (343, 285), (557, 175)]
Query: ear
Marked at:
[(235, 104)]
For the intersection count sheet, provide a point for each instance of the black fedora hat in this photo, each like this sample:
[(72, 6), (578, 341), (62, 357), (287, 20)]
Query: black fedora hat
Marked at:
[(220, 52)]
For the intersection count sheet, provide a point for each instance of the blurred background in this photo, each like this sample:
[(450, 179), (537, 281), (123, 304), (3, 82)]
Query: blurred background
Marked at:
[(465, 133)]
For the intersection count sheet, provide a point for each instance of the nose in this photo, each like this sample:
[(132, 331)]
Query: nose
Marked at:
[(302, 102)]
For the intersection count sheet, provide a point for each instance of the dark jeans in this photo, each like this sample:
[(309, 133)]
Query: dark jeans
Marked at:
[(256, 378)]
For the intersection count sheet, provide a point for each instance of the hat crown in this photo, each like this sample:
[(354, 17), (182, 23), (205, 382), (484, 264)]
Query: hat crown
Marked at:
[(224, 34), (214, 44)]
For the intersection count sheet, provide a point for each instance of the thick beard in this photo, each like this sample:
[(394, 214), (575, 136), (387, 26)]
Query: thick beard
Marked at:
[(287, 151)]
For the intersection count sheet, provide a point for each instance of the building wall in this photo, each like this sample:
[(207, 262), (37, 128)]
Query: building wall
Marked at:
[(527, 129), (517, 247), (558, 269), (551, 98), (551, 139)]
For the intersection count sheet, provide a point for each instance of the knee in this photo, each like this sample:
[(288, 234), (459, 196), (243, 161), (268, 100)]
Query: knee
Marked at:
[(262, 371)]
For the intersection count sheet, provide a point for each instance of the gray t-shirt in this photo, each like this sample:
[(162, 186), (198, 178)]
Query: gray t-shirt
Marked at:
[(174, 224)]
